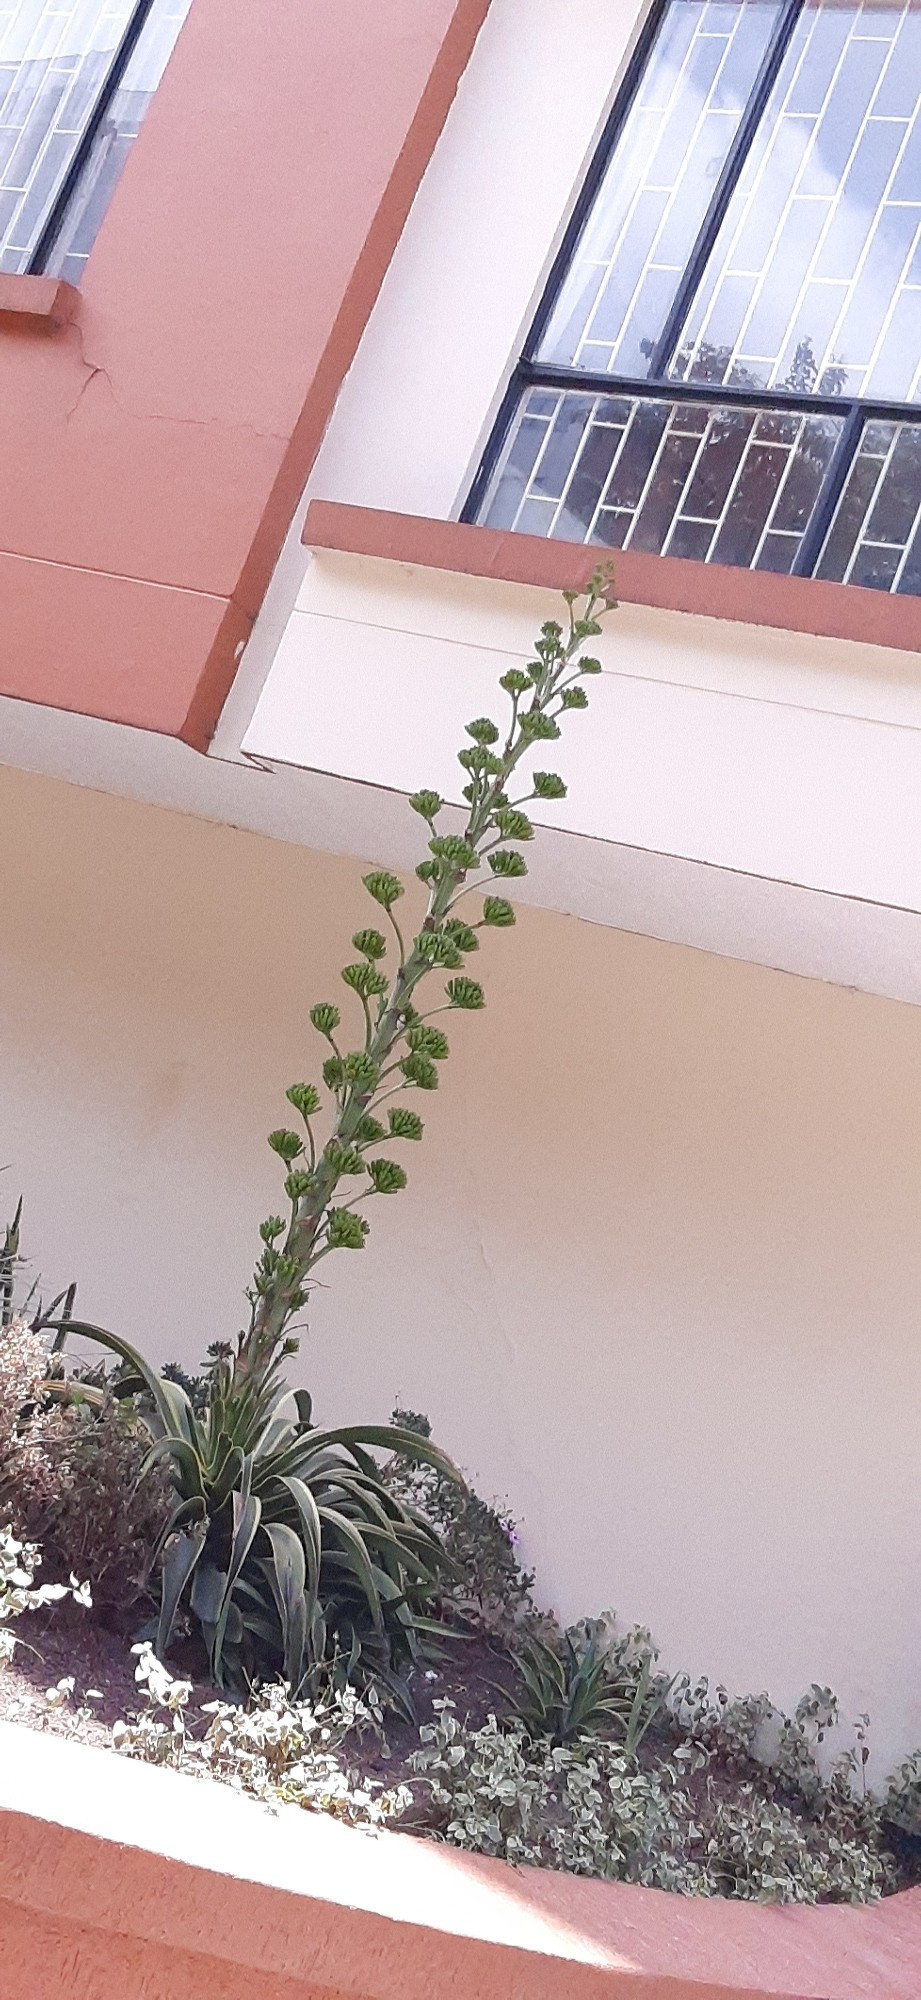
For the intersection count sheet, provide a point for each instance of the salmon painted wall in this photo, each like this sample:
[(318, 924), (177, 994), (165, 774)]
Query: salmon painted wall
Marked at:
[(152, 450)]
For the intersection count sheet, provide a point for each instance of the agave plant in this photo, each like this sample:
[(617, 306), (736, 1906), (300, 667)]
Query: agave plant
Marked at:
[(285, 1545), (586, 1686)]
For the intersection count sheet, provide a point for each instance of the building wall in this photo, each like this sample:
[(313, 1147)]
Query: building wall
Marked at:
[(656, 1277)]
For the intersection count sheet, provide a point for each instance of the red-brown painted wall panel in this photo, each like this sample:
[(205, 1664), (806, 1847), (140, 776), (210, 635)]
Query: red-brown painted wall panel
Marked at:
[(164, 435)]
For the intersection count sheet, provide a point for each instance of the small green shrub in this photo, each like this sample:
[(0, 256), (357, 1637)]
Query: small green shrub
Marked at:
[(586, 1682), (71, 1459), (487, 1588)]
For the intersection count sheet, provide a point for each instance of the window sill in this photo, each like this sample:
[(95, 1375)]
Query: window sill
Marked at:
[(746, 597), (33, 302)]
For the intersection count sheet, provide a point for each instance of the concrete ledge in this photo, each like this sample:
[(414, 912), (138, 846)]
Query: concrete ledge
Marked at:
[(118, 1880), (669, 583), (35, 301)]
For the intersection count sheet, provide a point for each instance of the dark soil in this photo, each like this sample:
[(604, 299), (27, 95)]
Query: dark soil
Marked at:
[(66, 1642)]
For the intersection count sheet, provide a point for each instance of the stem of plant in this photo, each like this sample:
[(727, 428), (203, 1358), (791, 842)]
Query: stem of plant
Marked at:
[(282, 1279)]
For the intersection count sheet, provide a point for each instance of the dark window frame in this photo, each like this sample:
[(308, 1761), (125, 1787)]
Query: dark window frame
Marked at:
[(657, 385), (57, 214)]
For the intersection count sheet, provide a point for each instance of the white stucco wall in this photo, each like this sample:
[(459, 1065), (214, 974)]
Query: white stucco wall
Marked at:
[(657, 1274)]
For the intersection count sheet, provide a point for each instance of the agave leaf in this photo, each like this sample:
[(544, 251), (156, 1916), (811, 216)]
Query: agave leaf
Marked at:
[(171, 1402), (208, 1589), (389, 1437), (397, 1692), (382, 1543), (226, 1480), (184, 1457), (288, 1575), (178, 1565), (276, 1436), (357, 1559), (311, 1531), (181, 1517), (247, 1512)]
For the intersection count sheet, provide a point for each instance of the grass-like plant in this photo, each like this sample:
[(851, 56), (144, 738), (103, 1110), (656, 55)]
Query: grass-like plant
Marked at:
[(284, 1542), (586, 1684)]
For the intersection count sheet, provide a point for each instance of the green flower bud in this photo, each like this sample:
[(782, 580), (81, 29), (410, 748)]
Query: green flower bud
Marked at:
[(428, 804), (387, 1177), (438, 949), (334, 1072), (270, 1228), (369, 1131), (286, 1144), (305, 1098), (421, 1071), (370, 944), (426, 1041), (466, 993), (548, 786), (361, 1070), (404, 1124), (345, 1230), (364, 979), (298, 1183), (344, 1159), (461, 934), (498, 912), (428, 871), (451, 848), (483, 730), (513, 825), (574, 697), (589, 665), (514, 682), (538, 727), (383, 887), (325, 1018), (507, 863)]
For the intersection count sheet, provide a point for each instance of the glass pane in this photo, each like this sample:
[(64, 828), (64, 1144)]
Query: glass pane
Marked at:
[(875, 538), (814, 280), (114, 139), (658, 184), (55, 56), (713, 483)]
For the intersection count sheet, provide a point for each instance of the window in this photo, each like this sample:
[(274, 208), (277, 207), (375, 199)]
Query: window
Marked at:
[(76, 78), (727, 365)]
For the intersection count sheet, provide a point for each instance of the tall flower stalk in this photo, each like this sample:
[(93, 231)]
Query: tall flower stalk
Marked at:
[(328, 1180)]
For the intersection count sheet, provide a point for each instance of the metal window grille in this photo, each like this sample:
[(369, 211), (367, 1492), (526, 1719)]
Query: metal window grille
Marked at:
[(76, 78), (726, 364)]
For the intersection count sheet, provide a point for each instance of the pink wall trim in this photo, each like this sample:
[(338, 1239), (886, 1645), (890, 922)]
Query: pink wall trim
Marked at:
[(392, 1918), (118, 1880), (114, 647), (165, 436), (749, 597)]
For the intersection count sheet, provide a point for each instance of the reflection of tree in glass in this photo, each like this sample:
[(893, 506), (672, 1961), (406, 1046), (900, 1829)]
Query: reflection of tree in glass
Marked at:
[(716, 364), (803, 373)]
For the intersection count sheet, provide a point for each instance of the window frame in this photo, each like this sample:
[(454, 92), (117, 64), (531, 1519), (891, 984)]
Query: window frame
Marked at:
[(57, 214), (531, 373)]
